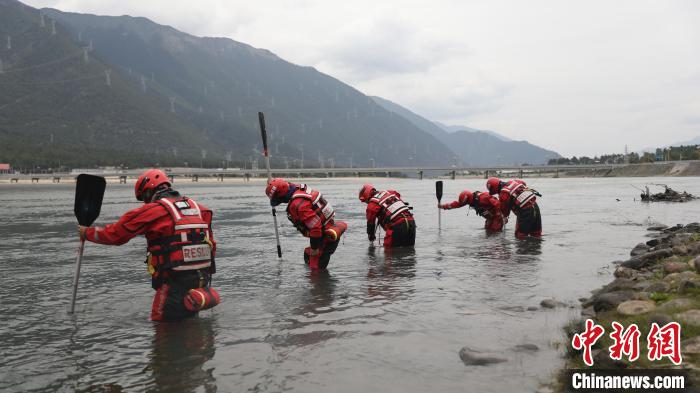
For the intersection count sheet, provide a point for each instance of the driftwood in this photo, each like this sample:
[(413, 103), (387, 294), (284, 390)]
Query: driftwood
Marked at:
[(669, 195)]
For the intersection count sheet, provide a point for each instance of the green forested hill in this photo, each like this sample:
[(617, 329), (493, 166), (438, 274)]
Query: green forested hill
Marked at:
[(175, 98)]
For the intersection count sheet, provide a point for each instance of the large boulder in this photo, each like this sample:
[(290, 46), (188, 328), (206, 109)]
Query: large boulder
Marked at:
[(675, 267), (680, 302), (636, 307), (658, 286), (657, 228)]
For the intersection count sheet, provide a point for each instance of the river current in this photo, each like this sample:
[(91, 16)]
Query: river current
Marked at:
[(376, 321)]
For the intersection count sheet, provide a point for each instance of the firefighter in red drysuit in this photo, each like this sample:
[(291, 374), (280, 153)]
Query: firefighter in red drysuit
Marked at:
[(311, 215), (515, 195), (394, 216), (180, 246), (485, 206)]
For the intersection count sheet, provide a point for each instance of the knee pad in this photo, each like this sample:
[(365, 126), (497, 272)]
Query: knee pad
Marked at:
[(198, 299)]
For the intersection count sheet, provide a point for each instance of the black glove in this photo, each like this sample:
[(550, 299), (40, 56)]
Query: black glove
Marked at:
[(371, 230), (316, 242)]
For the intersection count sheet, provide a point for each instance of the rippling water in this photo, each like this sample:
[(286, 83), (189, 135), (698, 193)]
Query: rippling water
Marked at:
[(379, 321)]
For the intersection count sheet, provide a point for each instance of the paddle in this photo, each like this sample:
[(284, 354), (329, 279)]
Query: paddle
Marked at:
[(438, 194), (263, 131), (89, 191)]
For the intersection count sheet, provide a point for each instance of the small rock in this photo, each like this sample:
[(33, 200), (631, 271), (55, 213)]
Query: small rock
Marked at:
[(659, 287), (551, 303), (680, 250), (685, 285), (625, 272), (588, 312), (653, 242), (660, 319), (691, 317), (680, 302), (679, 239), (639, 249), (474, 357), (642, 295), (532, 308), (691, 345), (694, 248), (696, 263), (676, 278), (526, 348), (641, 261), (636, 307), (657, 228), (609, 301), (674, 267), (619, 284)]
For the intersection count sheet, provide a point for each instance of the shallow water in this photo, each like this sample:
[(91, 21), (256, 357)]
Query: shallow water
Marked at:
[(390, 322)]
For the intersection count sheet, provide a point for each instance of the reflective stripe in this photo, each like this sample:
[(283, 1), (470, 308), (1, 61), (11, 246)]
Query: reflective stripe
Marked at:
[(172, 208), (191, 226), (193, 266), (524, 197), (196, 206), (183, 237)]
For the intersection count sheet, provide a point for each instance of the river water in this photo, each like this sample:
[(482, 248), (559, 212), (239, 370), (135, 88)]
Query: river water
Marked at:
[(377, 321)]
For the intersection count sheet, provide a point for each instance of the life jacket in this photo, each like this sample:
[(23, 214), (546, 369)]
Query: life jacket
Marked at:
[(521, 196), (476, 205), (189, 247), (391, 206), (323, 210)]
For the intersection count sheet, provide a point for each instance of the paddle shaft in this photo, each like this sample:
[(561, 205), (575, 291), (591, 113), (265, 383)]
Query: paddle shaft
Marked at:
[(438, 194), (263, 131), (76, 276)]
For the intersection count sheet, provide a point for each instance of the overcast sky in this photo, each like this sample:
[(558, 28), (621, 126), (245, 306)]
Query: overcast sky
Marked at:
[(578, 77)]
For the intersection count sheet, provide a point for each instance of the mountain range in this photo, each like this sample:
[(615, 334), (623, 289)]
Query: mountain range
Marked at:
[(81, 90)]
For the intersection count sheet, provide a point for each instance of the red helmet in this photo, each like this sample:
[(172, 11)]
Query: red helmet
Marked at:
[(277, 189), (466, 197), (493, 185), (149, 180), (366, 192)]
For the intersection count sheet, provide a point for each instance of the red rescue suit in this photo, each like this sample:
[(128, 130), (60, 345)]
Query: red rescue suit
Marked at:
[(312, 216), (394, 216), (181, 251), (486, 206), (516, 196)]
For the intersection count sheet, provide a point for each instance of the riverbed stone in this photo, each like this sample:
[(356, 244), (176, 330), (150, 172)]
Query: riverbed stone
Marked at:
[(619, 284), (636, 307), (696, 263), (475, 357), (657, 227), (588, 312), (693, 248), (691, 317), (691, 346), (625, 272), (674, 267), (680, 302), (660, 319), (641, 261), (653, 242), (686, 285), (676, 278), (610, 300), (526, 347), (659, 287), (551, 303), (680, 250), (639, 249)]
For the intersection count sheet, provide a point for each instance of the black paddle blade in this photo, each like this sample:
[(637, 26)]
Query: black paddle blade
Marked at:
[(263, 131), (438, 190), (89, 191)]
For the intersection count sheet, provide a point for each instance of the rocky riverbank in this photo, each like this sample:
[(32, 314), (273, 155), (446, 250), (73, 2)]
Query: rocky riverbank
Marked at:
[(659, 283)]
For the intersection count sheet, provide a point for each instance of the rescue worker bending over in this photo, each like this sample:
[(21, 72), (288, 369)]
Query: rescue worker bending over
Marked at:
[(485, 206), (312, 216), (180, 246), (515, 195), (394, 216)]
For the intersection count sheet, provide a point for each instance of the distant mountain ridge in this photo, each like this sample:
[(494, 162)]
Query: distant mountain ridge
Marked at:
[(475, 147), (174, 98)]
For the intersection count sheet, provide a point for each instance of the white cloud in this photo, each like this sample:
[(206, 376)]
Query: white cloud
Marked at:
[(580, 77)]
